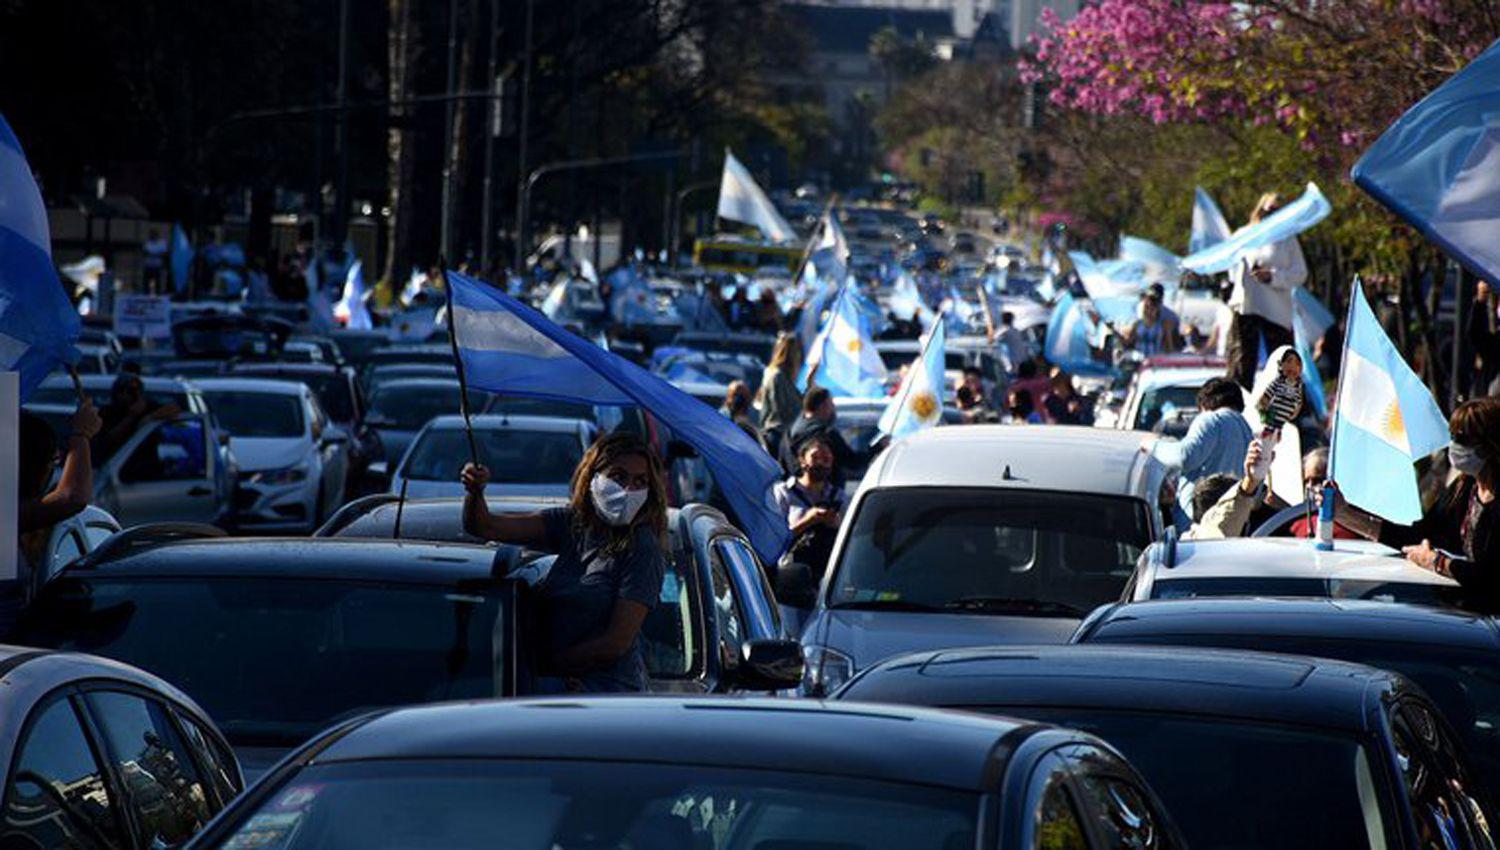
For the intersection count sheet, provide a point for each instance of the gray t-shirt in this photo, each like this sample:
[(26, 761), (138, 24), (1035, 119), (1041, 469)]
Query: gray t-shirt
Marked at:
[(582, 588)]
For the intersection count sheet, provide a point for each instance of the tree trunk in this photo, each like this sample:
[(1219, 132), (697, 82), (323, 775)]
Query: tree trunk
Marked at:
[(401, 53), (464, 110)]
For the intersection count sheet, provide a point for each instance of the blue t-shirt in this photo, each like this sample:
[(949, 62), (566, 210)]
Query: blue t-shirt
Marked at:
[(581, 590)]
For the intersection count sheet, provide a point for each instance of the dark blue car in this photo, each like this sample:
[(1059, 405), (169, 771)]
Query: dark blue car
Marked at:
[(1454, 656), (1246, 749), (673, 774)]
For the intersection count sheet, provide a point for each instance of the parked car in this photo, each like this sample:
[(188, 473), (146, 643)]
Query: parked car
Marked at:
[(293, 460), (356, 346), (58, 389), (1283, 566), (178, 470), (674, 774), (102, 755), (1163, 393), (526, 455), (339, 394), (404, 354), (1452, 655), (399, 409), (980, 535), (715, 596)]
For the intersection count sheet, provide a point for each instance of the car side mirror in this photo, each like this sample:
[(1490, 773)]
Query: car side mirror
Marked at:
[(795, 586), (769, 665)]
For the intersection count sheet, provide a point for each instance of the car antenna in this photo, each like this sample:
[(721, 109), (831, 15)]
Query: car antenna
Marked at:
[(400, 505)]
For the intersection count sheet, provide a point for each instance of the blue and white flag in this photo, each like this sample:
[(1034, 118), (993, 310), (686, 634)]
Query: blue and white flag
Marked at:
[(1109, 278), (39, 327), (319, 308), (414, 286), (1319, 319), (630, 298), (1209, 225), (509, 348), (351, 309), (918, 403), (875, 319), (843, 357), (906, 303), (819, 295), (181, 259), (741, 200), (1305, 334), (830, 253), (1285, 223), (1158, 263), (1384, 421), (1069, 335), (1438, 166)]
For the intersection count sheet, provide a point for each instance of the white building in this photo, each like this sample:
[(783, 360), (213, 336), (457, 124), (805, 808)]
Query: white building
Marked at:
[(1019, 17)]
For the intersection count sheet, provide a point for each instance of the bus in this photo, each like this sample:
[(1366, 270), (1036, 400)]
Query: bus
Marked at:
[(730, 254)]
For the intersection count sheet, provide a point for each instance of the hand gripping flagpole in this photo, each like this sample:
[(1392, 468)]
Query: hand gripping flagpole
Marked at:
[(458, 363)]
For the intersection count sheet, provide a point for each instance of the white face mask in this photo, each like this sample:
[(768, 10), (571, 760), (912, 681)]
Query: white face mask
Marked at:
[(1465, 459), (615, 505)]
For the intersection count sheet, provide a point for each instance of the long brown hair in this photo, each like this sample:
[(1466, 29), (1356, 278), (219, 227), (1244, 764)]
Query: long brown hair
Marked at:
[(653, 515), (1477, 423), (786, 357)]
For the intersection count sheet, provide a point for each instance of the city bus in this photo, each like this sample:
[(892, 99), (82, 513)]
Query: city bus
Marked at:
[(732, 254)]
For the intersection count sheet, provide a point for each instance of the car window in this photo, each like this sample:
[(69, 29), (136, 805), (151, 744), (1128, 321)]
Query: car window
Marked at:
[(257, 414), (1437, 788), (668, 634), (57, 797), (68, 549), (219, 763), (1119, 809), (1058, 826), (162, 783), (514, 456), (175, 451), (730, 622), (750, 570)]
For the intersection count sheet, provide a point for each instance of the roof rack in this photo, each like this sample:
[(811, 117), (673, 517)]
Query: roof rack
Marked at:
[(147, 535), (347, 514)]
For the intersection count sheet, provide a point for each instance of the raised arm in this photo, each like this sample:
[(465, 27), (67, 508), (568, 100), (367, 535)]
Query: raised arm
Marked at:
[(523, 529)]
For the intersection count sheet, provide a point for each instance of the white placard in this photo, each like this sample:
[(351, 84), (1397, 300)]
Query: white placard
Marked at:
[(10, 472), (143, 316)]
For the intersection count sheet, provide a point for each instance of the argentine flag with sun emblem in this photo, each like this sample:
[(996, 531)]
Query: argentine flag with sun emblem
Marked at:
[(843, 357), (918, 403), (1384, 421)]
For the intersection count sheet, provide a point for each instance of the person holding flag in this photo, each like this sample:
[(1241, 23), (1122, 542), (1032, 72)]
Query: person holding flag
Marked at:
[(1262, 299)]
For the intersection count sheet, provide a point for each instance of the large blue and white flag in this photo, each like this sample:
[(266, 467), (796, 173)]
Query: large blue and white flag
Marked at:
[(1158, 263), (818, 294), (1109, 278), (1438, 166), (1305, 334), (742, 200), (181, 259), (1069, 335), (509, 348), (39, 327), (843, 357), (351, 309), (906, 304), (1209, 225), (830, 254), (918, 402), (1384, 421), (1285, 223), (1317, 315)]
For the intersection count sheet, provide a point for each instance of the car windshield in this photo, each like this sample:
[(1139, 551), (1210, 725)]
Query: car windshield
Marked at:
[(1380, 591), (68, 396), (513, 456), (250, 414), (1231, 783), (1026, 552), (248, 649), (333, 392), (1176, 404), (408, 407), (538, 805), (522, 406)]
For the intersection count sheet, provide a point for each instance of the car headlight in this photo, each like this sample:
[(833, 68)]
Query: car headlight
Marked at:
[(825, 670), (278, 477)]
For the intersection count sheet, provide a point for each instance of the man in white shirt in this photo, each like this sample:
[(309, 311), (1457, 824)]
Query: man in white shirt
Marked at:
[(1262, 301)]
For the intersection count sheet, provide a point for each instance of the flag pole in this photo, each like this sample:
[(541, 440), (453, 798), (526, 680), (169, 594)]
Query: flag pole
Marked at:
[(807, 252), (458, 363)]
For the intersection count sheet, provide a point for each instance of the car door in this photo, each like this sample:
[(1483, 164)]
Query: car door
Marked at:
[(167, 793), (731, 627), (751, 588), (332, 444), (58, 794), (1441, 794), (672, 636), (164, 473)]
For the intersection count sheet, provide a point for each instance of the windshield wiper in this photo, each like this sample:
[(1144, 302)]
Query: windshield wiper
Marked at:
[(1007, 605), (883, 605)]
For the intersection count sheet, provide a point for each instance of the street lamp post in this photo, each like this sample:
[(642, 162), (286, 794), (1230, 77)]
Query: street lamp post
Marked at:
[(523, 215), (674, 235)]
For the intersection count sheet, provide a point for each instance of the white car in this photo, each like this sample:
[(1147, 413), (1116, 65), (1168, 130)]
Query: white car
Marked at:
[(292, 459), (526, 455), (979, 535), (1283, 566), (1163, 394)]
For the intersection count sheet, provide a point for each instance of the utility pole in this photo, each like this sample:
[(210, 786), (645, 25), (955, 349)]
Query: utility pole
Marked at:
[(445, 216), (523, 187), (486, 218), (341, 139)]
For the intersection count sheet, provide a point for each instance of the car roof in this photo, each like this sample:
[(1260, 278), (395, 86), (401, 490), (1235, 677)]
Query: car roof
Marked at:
[(507, 422), (279, 368), (888, 743), (418, 516), (1256, 686), (1290, 557), (1334, 620), (432, 381), (267, 386), (292, 557), (151, 383), (1152, 379), (1060, 458)]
